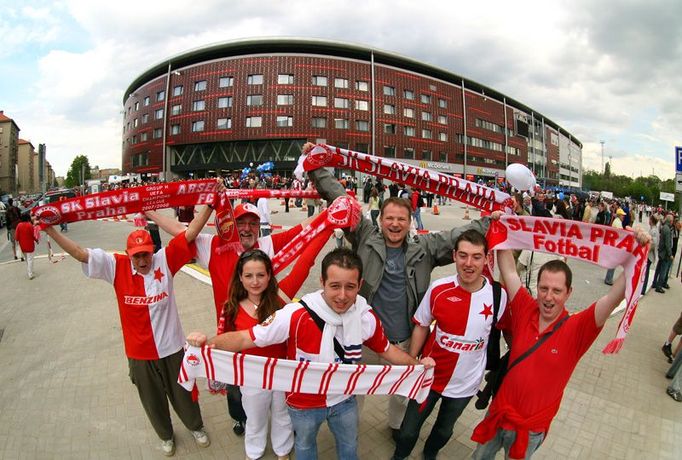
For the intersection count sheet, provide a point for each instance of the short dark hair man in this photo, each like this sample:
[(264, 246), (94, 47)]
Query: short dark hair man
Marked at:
[(354, 322), (530, 395), (460, 309)]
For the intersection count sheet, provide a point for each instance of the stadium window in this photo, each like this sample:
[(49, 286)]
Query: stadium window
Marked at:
[(340, 83), (145, 118), (443, 157), (443, 137), (135, 123), (199, 105), (177, 90), (225, 102), (285, 79), (442, 119), (200, 85), (175, 129), (362, 147), (361, 85), (426, 155), (254, 122), (319, 101), (408, 153), (432, 87), (198, 126), (408, 112), (284, 121), (341, 103), (137, 106), (158, 114), (254, 79), (426, 133), (389, 90), (224, 123), (361, 105), (442, 103), (408, 94), (254, 99), (362, 125), (146, 101), (160, 95), (409, 131), (319, 80), (285, 99), (340, 123), (389, 109), (425, 98), (143, 137), (157, 133), (426, 116), (389, 128), (318, 122), (389, 151), (225, 82), (176, 109)]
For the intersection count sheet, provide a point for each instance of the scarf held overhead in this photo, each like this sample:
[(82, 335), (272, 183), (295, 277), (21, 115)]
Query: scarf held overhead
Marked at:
[(147, 198), (605, 246), (479, 196), (292, 376)]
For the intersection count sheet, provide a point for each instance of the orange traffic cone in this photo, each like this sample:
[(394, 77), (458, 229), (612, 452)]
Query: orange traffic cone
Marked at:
[(466, 213), (436, 211)]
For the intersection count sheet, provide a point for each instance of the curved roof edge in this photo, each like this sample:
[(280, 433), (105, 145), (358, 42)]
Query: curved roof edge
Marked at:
[(265, 45)]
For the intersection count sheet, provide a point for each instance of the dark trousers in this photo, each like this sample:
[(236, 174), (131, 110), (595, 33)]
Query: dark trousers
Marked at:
[(660, 279), (157, 383), (415, 416), (646, 276), (234, 404)]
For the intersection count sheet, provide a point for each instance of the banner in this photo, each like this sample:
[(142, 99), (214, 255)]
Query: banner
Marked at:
[(476, 195), (253, 371), (147, 198), (605, 246)]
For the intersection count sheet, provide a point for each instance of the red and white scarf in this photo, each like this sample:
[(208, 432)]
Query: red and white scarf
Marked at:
[(149, 197), (479, 196), (292, 376), (605, 246)]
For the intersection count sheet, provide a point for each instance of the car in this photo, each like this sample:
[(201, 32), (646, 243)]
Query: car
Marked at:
[(55, 195)]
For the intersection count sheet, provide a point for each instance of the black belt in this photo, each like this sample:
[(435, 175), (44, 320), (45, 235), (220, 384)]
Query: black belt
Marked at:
[(396, 342)]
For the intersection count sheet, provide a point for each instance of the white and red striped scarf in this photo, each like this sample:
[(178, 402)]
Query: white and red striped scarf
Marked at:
[(292, 376), (479, 196), (605, 246)]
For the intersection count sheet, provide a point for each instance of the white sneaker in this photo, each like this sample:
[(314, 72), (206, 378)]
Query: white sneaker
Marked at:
[(168, 447), (201, 438)]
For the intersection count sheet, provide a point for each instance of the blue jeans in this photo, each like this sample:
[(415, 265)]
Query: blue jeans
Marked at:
[(417, 214), (505, 439), (342, 419), (415, 416)]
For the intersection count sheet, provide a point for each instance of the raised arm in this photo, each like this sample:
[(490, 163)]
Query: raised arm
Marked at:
[(198, 223), (167, 224), (68, 245), (511, 280)]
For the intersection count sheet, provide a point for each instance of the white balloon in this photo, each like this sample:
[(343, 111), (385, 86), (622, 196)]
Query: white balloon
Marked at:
[(520, 177)]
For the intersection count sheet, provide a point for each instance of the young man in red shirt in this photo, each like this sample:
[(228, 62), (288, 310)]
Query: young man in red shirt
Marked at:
[(152, 334), (26, 238), (353, 323), (529, 398)]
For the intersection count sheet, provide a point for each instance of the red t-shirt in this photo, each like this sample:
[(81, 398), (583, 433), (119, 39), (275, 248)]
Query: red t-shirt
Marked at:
[(293, 325), (540, 379), (244, 321), (221, 259), (25, 236)]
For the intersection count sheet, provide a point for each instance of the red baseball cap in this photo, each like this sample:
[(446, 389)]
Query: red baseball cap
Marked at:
[(139, 241), (243, 209)]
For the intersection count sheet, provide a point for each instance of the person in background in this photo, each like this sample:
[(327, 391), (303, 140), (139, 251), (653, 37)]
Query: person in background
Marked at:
[(26, 236), (13, 216), (374, 206), (653, 250), (617, 223)]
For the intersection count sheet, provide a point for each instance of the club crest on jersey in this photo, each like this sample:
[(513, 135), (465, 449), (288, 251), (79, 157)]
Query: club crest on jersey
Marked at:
[(48, 215), (193, 360), (268, 321)]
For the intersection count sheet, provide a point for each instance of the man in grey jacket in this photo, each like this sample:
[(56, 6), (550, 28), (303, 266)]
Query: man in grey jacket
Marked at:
[(397, 268), (665, 255)]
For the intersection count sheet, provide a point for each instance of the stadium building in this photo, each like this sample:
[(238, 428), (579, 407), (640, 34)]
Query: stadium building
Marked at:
[(231, 105)]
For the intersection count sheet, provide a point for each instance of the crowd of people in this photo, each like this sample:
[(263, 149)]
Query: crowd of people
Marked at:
[(377, 304)]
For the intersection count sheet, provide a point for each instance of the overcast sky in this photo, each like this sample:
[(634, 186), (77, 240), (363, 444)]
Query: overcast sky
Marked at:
[(604, 70)]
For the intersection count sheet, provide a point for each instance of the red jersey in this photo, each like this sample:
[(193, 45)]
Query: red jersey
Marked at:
[(222, 259), (245, 321), (25, 236), (293, 324), (538, 381), (146, 303), (459, 339)]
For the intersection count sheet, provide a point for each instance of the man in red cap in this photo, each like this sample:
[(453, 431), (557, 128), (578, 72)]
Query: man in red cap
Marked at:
[(215, 253), (152, 333)]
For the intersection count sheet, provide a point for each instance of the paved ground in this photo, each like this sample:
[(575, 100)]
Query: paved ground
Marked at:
[(65, 393)]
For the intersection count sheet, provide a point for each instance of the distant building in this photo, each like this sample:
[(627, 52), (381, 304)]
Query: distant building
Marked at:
[(9, 136), (104, 173), (26, 165), (224, 107)]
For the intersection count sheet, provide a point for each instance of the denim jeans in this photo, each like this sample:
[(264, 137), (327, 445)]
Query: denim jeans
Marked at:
[(342, 419), (415, 416), (505, 439), (661, 270), (417, 215)]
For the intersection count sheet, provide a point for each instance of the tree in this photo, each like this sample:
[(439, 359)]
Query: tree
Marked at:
[(607, 169), (79, 172)]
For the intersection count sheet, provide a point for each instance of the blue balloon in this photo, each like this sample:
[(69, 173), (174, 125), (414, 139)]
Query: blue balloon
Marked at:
[(561, 195)]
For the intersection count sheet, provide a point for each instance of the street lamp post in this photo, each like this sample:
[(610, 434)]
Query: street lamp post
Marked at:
[(165, 123), (602, 157)]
